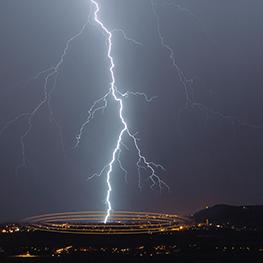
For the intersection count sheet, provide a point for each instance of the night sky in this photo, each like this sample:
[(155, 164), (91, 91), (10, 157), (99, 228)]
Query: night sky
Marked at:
[(212, 147)]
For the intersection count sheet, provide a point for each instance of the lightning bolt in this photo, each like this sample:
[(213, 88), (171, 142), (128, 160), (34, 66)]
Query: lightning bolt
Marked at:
[(52, 72), (101, 104), (186, 82), (182, 77)]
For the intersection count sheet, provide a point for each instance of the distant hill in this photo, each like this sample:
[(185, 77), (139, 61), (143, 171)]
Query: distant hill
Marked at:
[(242, 216)]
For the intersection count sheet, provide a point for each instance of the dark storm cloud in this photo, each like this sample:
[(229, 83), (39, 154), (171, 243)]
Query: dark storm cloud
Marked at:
[(209, 159)]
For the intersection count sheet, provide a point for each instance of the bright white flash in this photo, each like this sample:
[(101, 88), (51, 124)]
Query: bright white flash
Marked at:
[(98, 105), (142, 162), (117, 99)]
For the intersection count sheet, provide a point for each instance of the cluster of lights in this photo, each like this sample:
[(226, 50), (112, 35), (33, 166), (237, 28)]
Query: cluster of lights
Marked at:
[(10, 229), (120, 223)]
